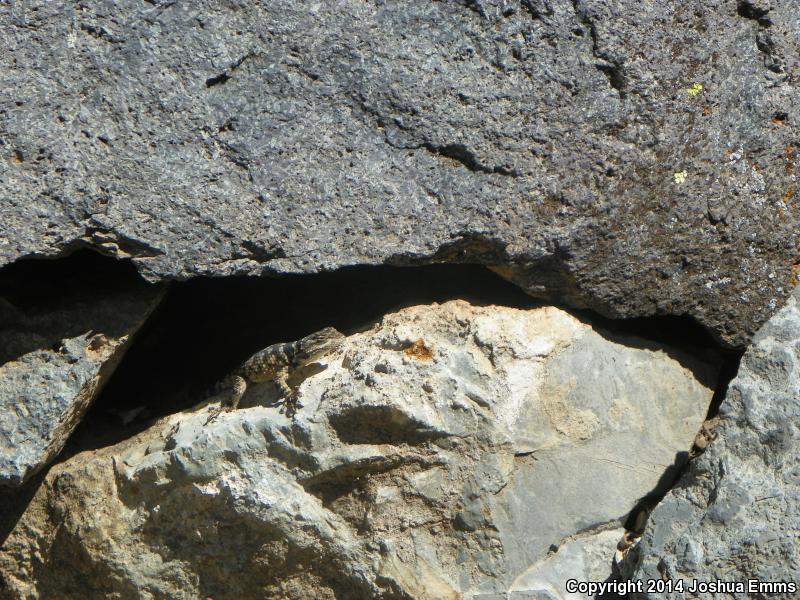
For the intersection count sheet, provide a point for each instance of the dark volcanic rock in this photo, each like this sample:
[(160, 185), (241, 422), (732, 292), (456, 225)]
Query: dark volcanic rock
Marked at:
[(634, 157)]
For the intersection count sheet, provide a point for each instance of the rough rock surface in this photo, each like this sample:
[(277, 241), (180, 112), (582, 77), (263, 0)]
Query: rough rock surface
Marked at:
[(634, 156), (53, 364), (449, 452), (736, 514)]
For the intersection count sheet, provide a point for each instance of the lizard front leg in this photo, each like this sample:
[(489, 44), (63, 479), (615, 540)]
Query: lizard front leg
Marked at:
[(289, 394), (238, 388), (282, 381)]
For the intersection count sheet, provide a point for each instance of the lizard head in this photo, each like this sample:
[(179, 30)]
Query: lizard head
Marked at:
[(320, 343)]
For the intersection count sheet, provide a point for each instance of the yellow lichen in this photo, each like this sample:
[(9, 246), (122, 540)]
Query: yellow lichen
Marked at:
[(694, 89), (680, 177)]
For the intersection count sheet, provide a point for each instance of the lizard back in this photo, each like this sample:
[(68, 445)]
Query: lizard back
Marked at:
[(267, 363)]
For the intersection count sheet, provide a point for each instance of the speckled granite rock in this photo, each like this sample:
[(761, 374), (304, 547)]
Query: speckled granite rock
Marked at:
[(55, 357), (446, 453), (736, 514), (637, 157)]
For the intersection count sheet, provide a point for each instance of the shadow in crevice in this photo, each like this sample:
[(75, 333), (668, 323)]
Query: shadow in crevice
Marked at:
[(14, 501), (728, 370), (637, 518), (45, 301), (380, 425), (681, 338)]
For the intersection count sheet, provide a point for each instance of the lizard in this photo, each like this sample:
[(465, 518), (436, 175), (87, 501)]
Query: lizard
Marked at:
[(279, 363)]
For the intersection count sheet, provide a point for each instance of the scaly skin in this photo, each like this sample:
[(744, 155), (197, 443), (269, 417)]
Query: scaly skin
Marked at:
[(277, 363)]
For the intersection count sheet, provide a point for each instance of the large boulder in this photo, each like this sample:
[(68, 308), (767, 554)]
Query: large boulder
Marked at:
[(735, 516), (636, 157), (450, 451)]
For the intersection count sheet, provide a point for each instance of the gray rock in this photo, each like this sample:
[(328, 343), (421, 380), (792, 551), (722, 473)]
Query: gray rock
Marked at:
[(583, 559), (55, 361), (736, 513), (440, 455), (636, 157)]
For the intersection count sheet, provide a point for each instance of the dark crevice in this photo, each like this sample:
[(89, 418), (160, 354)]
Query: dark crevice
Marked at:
[(637, 518), (728, 370), (538, 9), (38, 279), (612, 68), (458, 153), (462, 154), (206, 326), (676, 331), (639, 515), (615, 75), (692, 346), (43, 301), (226, 75), (748, 10), (679, 334), (217, 80), (14, 501)]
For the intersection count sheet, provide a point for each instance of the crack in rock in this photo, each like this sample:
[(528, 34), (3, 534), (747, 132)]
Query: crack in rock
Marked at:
[(612, 68)]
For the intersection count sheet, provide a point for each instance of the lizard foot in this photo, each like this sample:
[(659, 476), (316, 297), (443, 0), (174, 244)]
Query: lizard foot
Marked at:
[(291, 404), (214, 414)]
